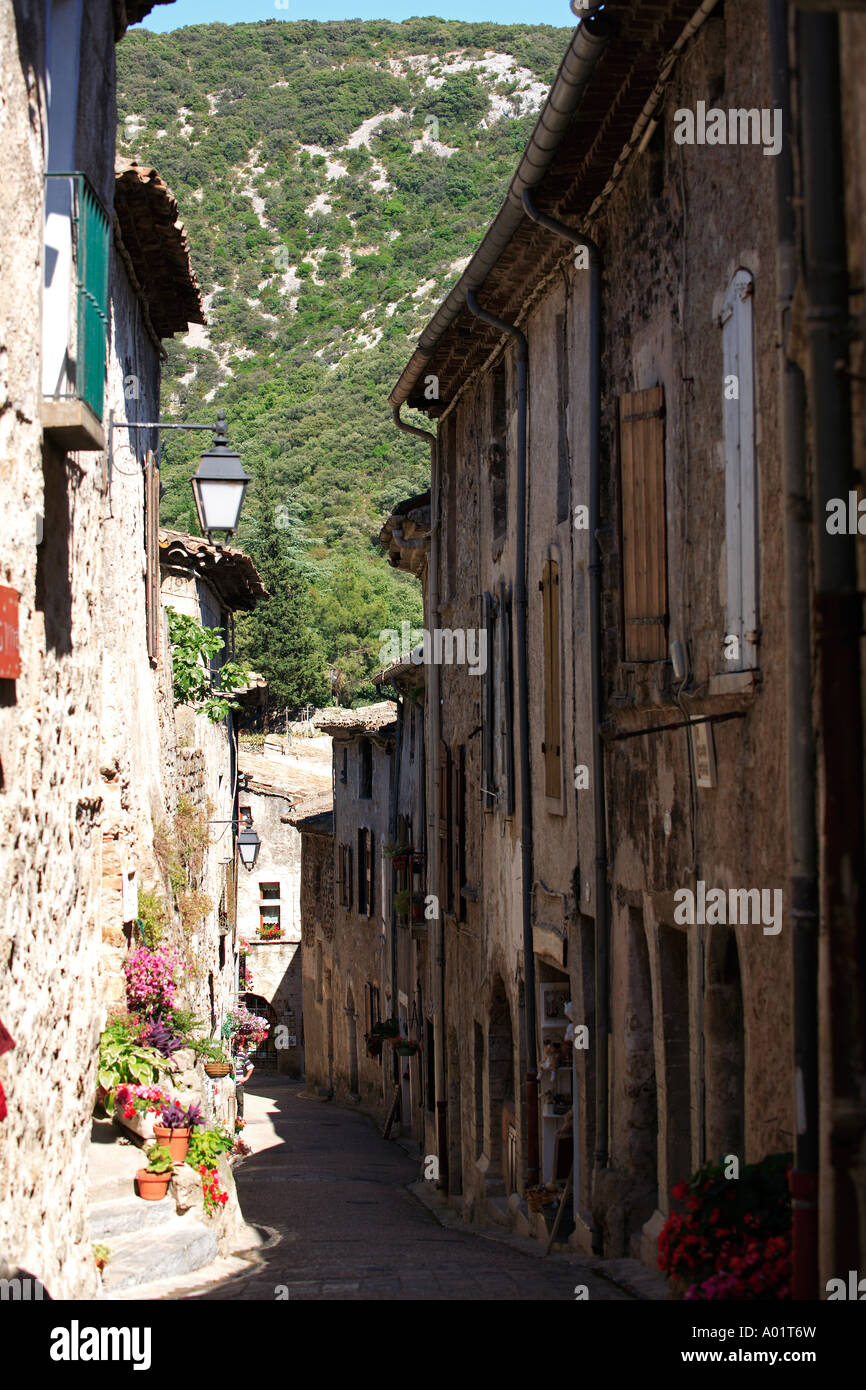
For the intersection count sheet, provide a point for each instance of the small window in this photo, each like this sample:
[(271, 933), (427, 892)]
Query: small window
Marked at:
[(344, 875), (344, 773), (269, 890), (365, 766), (365, 873), (246, 815), (269, 920)]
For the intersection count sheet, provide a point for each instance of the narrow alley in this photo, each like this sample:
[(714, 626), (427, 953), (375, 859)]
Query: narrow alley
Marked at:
[(334, 1191)]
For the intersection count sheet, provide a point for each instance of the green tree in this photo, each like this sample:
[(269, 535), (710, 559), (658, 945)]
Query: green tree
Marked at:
[(279, 638)]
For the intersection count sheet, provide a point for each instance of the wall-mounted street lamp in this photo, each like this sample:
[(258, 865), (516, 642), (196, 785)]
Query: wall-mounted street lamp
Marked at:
[(247, 841), (219, 486)]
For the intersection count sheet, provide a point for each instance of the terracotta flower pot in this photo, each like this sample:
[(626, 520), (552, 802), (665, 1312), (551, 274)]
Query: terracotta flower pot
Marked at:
[(152, 1187), (175, 1140), (217, 1068)]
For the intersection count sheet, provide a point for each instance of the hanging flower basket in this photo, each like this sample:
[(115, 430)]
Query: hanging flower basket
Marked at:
[(374, 1043), (217, 1068), (406, 1047), (386, 1028)]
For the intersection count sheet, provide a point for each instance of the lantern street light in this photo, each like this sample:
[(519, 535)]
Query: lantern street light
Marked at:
[(249, 845), (220, 484)]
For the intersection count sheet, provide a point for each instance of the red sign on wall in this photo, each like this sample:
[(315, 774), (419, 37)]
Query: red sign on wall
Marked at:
[(10, 658)]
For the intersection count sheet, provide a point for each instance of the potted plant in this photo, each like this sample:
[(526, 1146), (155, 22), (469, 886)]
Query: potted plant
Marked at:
[(213, 1054), (175, 1127), (374, 1042), (406, 1047), (401, 855), (386, 1028), (402, 901), (270, 931), (153, 1180)]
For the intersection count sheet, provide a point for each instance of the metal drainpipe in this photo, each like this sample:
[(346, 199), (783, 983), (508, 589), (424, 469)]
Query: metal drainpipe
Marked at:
[(802, 843), (602, 914), (523, 730), (431, 728), (838, 616)]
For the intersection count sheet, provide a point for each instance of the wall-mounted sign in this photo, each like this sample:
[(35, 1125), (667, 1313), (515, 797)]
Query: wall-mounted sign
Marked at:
[(10, 656), (704, 752)]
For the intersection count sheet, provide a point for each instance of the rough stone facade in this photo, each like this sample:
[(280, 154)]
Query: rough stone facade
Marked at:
[(700, 1042)]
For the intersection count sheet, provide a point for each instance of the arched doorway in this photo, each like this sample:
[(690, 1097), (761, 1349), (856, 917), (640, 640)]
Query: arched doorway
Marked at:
[(352, 1025), (265, 1055), (724, 1047), (500, 1085)]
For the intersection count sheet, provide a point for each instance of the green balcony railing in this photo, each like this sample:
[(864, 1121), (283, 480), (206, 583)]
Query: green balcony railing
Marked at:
[(90, 225)]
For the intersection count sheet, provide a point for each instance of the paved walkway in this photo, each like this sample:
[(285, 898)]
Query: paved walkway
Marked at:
[(323, 1178)]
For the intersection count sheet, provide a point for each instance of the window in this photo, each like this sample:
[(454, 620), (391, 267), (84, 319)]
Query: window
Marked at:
[(344, 875), (269, 919), (552, 745), (644, 537), (488, 707), (344, 773), (458, 821), (445, 828), (269, 890), (506, 699), (497, 457), (741, 479), (365, 765), (365, 873), (153, 607), (75, 305), (246, 815)]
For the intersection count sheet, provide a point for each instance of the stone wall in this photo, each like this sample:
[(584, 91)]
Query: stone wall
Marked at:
[(317, 918)]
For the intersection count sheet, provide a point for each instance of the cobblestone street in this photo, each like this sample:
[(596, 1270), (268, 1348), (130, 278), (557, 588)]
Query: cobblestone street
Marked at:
[(334, 1190)]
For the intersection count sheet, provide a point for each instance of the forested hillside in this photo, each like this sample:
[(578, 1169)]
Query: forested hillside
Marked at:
[(333, 179)]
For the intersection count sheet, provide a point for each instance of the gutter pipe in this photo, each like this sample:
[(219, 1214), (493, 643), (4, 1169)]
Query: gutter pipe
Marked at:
[(602, 911), (838, 615), (531, 1078), (433, 736), (802, 837)]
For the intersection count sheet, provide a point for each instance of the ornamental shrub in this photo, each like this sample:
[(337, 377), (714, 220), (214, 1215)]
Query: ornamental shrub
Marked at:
[(152, 979), (733, 1240)]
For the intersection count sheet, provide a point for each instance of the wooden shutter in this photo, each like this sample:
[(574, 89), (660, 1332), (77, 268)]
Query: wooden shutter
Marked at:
[(458, 830), (445, 893), (369, 874), (552, 745), (488, 709), (507, 682), (644, 532), (741, 483), (151, 547)]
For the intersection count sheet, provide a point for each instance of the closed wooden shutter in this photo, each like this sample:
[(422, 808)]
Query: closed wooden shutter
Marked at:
[(552, 745), (507, 682), (488, 708), (151, 546), (445, 892), (458, 826), (644, 532)]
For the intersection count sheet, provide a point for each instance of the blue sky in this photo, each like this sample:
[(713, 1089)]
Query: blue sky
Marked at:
[(184, 12)]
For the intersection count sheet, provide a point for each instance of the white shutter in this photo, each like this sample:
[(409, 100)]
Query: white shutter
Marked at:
[(741, 483)]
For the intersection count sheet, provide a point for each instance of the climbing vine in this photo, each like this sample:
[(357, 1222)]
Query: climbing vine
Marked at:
[(192, 647)]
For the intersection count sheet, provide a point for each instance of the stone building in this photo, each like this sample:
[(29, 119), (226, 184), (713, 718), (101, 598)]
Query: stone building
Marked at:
[(209, 583), (616, 436), (316, 830), (82, 308), (347, 978), (277, 787)]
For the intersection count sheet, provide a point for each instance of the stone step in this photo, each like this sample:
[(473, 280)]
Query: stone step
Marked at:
[(120, 1215), (158, 1252)]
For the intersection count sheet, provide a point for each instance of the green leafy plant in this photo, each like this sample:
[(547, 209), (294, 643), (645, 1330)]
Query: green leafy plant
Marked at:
[(402, 901), (123, 1058), (194, 683), (152, 918), (207, 1050), (101, 1255), (159, 1160), (205, 1146)]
